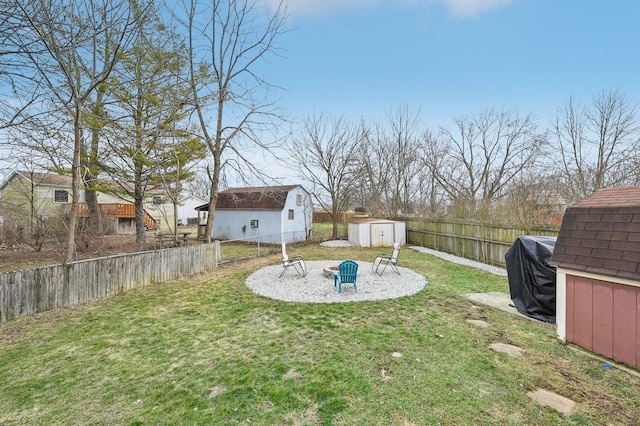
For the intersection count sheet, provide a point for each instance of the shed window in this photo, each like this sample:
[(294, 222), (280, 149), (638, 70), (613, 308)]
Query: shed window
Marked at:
[(60, 196), (299, 199), (291, 214), (254, 223)]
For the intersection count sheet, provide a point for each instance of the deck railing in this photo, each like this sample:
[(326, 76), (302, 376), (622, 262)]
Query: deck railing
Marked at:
[(121, 211)]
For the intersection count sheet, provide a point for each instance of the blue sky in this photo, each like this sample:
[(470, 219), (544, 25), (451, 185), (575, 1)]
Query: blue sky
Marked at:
[(450, 58)]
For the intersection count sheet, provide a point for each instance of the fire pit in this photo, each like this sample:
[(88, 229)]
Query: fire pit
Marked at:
[(329, 270)]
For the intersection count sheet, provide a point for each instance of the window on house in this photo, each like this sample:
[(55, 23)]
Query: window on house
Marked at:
[(60, 196), (299, 199), (254, 223), (291, 214)]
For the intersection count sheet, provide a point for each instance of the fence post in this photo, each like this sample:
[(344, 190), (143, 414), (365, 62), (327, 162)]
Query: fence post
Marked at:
[(218, 254)]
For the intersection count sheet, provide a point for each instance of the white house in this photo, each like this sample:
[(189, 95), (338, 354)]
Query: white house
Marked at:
[(269, 214), (187, 213)]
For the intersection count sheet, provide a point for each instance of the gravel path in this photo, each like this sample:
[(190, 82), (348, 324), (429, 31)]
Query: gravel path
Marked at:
[(461, 260)]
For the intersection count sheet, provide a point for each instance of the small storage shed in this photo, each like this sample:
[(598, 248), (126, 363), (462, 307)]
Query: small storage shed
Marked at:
[(597, 256), (376, 232)]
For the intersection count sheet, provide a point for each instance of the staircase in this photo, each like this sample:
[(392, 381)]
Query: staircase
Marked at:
[(150, 222)]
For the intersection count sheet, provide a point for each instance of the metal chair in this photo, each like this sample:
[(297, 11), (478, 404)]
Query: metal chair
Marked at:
[(296, 261), (347, 274), (387, 259)]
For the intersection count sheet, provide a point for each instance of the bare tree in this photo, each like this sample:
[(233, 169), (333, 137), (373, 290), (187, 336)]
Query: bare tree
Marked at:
[(373, 173), (16, 72), (226, 39), (533, 198), (475, 163), (596, 143), (71, 49), (390, 166), (326, 153)]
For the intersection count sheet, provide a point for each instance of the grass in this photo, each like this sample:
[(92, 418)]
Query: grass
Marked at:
[(208, 351)]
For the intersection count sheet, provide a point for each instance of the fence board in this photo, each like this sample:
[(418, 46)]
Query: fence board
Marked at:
[(31, 291), (480, 242)]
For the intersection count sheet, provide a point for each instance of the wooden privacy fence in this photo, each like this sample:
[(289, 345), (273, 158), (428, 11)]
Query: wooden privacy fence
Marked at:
[(326, 217), (31, 291), (480, 242)]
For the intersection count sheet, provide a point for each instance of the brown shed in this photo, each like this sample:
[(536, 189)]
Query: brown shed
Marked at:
[(597, 256)]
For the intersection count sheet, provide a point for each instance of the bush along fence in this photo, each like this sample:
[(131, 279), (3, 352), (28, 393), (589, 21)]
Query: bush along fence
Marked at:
[(476, 241), (31, 291)]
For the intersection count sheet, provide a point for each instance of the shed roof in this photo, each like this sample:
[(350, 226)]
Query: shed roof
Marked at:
[(601, 234), (371, 220), (252, 198)]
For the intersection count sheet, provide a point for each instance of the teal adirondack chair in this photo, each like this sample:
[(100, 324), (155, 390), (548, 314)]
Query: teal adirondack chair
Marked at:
[(347, 274)]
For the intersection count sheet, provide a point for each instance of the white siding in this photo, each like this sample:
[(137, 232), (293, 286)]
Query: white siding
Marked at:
[(298, 228), (377, 233), (273, 225), (187, 208), (236, 224)]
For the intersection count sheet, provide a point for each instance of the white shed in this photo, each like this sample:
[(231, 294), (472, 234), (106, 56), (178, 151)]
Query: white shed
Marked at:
[(265, 214), (376, 232)]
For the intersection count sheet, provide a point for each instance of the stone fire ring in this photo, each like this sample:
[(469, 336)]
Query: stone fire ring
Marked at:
[(329, 271)]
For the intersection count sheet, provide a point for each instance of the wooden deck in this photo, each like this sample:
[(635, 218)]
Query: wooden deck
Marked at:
[(120, 211)]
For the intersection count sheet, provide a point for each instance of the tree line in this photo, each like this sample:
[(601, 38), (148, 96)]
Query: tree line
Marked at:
[(495, 164)]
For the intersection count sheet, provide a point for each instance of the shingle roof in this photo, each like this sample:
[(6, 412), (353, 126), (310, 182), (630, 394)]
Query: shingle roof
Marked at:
[(252, 198), (601, 234), (65, 181), (47, 178)]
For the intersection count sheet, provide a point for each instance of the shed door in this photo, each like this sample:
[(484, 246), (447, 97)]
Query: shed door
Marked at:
[(382, 234)]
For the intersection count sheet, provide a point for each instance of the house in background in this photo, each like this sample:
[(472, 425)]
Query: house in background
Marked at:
[(269, 214), (29, 197), (187, 213)]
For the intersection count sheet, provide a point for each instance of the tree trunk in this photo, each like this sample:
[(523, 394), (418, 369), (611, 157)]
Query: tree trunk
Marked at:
[(75, 187), (141, 231), (213, 199), (89, 160)]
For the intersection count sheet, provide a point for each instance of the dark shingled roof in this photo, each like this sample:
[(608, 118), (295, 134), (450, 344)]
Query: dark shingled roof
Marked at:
[(601, 234), (253, 198)]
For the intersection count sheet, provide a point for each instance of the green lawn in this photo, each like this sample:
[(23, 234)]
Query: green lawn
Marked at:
[(208, 351)]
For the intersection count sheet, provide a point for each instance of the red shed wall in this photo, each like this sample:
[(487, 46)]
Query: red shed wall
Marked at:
[(602, 317)]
